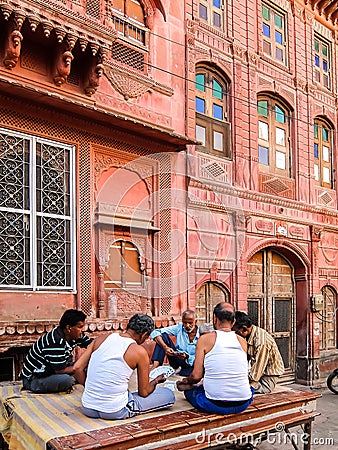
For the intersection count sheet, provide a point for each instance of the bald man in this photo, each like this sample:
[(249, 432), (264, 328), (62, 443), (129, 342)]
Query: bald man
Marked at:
[(221, 360), (183, 353)]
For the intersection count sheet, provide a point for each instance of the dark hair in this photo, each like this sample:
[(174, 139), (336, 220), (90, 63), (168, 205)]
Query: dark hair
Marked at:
[(72, 317), (141, 323), (242, 320), (224, 313)]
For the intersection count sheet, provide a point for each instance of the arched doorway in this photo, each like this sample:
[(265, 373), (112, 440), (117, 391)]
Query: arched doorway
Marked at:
[(207, 297), (271, 302)]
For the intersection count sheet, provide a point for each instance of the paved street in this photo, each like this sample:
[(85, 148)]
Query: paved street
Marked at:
[(325, 427)]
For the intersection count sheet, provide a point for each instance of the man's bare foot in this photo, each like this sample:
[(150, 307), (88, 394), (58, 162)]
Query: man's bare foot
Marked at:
[(183, 386)]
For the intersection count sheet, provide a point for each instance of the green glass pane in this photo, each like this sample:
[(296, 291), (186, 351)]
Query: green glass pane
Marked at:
[(200, 81), (316, 46), (315, 130), (279, 114), (324, 50), (263, 108), (278, 21), (217, 90), (265, 13), (325, 134)]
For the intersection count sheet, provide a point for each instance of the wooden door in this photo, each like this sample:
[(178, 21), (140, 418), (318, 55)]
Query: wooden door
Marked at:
[(271, 302), (207, 297)]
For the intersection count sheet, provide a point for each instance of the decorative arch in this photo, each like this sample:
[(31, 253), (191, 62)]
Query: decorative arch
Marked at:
[(297, 257)]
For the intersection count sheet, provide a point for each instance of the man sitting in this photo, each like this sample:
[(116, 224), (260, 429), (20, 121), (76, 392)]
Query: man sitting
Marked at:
[(48, 367), (105, 369), (264, 356), (183, 353), (221, 361)]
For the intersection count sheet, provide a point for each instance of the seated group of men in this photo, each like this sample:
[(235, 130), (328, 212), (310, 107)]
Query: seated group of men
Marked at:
[(213, 363)]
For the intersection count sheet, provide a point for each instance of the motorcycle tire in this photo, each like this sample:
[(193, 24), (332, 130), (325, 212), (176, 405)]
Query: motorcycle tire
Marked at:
[(332, 382)]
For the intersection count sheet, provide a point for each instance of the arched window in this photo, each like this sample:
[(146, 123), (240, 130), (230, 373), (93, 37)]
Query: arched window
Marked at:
[(211, 105), (328, 320), (274, 153), (322, 153), (129, 20), (123, 266), (211, 11)]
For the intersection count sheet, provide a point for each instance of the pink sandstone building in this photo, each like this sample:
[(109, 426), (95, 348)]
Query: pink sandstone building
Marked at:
[(157, 156)]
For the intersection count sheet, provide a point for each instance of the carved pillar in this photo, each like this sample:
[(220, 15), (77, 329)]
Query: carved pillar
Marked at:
[(101, 296)]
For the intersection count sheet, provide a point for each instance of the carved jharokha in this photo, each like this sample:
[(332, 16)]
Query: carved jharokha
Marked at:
[(13, 49)]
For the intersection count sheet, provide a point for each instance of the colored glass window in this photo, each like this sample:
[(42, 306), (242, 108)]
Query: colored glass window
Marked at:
[(278, 21), (203, 11), (265, 13), (217, 112), (325, 65), (266, 30), (217, 90), (279, 114), (200, 82), (315, 150), (325, 134), (217, 3), (278, 37), (216, 19), (263, 155), (263, 108), (200, 105), (315, 130)]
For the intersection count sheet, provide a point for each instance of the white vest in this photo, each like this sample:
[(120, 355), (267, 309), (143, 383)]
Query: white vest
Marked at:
[(226, 369), (106, 387)]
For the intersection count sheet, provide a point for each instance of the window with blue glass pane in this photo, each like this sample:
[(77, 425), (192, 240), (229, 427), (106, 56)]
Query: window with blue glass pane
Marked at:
[(279, 114), (217, 112), (263, 155), (325, 65), (278, 37), (266, 30), (203, 12), (315, 130), (315, 150), (325, 134), (200, 81), (217, 90), (200, 105), (317, 60), (217, 3)]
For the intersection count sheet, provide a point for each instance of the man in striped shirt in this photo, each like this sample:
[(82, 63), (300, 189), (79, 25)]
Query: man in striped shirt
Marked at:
[(48, 367), (263, 354)]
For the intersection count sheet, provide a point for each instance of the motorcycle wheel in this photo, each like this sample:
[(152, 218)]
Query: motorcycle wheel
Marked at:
[(332, 382)]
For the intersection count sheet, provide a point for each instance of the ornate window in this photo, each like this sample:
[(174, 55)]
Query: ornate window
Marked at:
[(328, 320), (273, 137), (129, 20), (124, 269), (211, 11), (211, 105), (37, 237), (322, 153), (274, 33), (322, 62)]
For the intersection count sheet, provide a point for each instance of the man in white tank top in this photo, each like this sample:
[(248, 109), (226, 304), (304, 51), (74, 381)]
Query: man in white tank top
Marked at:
[(221, 360), (106, 367)]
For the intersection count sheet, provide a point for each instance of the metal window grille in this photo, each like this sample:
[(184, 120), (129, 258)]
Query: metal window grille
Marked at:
[(36, 213)]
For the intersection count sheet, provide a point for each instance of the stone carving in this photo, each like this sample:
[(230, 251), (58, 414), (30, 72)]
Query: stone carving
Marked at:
[(13, 49), (62, 67), (94, 79)]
